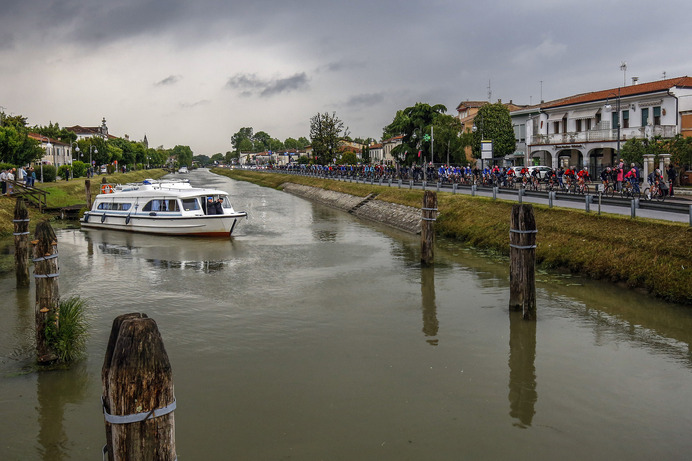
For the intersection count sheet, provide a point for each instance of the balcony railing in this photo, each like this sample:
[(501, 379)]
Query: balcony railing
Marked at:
[(664, 131)]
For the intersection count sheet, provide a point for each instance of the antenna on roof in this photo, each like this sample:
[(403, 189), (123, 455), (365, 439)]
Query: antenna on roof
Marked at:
[(664, 75), (490, 92), (623, 68)]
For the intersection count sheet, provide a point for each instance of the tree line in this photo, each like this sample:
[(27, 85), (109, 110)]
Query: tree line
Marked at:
[(18, 149)]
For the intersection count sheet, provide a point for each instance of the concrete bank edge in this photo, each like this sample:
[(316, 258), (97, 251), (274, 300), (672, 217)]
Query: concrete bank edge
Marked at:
[(402, 217)]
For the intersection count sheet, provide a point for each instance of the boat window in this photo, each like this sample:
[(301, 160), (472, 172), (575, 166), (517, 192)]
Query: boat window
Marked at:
[(190, 204), (161, 205), (114, 206), (226, 203)]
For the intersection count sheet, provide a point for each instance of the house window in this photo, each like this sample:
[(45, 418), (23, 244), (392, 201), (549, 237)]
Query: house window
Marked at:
[(598, 118), (556, 127), (657, 115), (588, 124), (616, 122), (578, 125), (625, 119), (645, 116)]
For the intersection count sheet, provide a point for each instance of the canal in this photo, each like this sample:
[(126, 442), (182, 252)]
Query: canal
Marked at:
[(312, 335)]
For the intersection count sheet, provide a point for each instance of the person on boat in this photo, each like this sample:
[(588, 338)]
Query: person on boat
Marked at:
[(211, 206), (219, 205)]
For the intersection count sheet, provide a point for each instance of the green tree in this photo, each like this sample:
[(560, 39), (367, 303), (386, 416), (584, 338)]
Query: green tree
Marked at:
[(244, 134), (493, 123), (54, 131), (262, 141), (680, 148), (634, 150), (325, 133), (291, 143), (449, 142), (217, 158), (414, 124), (183, 155), (348, 158), (303, 142), (16, 147)]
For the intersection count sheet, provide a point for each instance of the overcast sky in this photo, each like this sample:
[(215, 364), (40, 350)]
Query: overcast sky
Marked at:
[(195, 72)]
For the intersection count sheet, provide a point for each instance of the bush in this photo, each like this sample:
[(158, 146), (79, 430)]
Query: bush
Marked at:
[(49, 173), (79, 169), (68, 340)]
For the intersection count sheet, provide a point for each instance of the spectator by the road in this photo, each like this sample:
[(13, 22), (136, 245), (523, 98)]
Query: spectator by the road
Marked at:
[(672, 175)]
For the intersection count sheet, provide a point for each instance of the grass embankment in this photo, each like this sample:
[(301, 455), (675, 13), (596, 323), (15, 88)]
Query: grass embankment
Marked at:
[(66, 193), (643, 253)]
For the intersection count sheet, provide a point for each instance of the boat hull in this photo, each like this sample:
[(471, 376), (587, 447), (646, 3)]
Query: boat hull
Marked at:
[(202, 226)]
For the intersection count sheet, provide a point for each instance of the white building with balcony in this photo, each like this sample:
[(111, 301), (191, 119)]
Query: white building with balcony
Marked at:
[(589, 129)]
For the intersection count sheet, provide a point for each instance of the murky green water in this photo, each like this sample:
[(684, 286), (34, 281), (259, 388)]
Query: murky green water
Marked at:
[(312, 335)]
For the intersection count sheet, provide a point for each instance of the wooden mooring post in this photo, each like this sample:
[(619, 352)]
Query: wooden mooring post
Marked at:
[(21, 243), (522, 264), (46, 273), (427, 228), (138, 398)]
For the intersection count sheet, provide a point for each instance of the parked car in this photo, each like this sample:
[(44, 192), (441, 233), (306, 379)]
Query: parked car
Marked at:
[(183, 169), (104, 170)]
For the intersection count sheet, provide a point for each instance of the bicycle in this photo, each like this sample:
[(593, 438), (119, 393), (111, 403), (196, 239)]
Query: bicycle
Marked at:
[(654, 193), (630, 190)]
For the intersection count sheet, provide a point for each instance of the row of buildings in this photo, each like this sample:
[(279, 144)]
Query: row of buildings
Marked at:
[(585, 129)]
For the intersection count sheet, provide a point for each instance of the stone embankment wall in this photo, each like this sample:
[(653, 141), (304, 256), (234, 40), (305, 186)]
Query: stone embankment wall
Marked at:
[(401, 217)]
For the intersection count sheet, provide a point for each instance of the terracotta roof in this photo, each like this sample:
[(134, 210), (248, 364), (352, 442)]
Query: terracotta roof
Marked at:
[(41, 138), (472, 104), (641, 88)]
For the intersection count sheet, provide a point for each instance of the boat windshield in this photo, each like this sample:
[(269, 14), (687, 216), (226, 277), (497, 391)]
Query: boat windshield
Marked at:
[(190, 204)]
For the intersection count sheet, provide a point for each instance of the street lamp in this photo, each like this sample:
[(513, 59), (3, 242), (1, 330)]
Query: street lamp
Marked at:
[(608, 106), (48, 146), (419, 145), (474, 129), (76, 149), (92, 149)]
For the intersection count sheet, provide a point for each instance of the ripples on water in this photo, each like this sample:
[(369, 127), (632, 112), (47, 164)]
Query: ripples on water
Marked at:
[(312, 335)]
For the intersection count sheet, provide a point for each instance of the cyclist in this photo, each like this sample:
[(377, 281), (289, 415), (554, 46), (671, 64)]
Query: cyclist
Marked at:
[(632, 177)]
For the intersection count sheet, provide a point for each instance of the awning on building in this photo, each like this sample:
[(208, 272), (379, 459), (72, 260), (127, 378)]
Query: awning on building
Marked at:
[(584, 113), (556, 116), (519, 153)]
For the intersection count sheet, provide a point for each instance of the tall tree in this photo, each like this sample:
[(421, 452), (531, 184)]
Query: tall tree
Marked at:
[(242, 135), (414, 124), (183, 154), (325, 133), (493, 123)]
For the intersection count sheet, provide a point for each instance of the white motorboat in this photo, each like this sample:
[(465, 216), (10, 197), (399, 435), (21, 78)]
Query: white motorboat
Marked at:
[(163, 207)]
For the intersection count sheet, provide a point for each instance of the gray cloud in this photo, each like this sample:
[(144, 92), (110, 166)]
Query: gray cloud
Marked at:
[(170, 80), (252, 85), (365, 100)]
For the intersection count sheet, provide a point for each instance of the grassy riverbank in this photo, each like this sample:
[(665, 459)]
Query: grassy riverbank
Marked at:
[(60, 194), (642, 253)]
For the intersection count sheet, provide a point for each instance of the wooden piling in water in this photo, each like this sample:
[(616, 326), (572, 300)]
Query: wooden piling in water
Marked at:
[(522, 265), (46, 273), (427, 231), (138, 397), (21, 243), (87, 187)]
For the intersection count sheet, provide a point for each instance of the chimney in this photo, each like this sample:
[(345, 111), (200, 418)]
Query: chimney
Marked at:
[(635, 80)]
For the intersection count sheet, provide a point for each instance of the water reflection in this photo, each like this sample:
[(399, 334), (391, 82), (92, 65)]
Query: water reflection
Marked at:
[(427, 288), (522, 369), (56, 389)]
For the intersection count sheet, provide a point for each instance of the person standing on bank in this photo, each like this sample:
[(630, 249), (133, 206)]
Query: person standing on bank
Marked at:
[(672, 174)]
